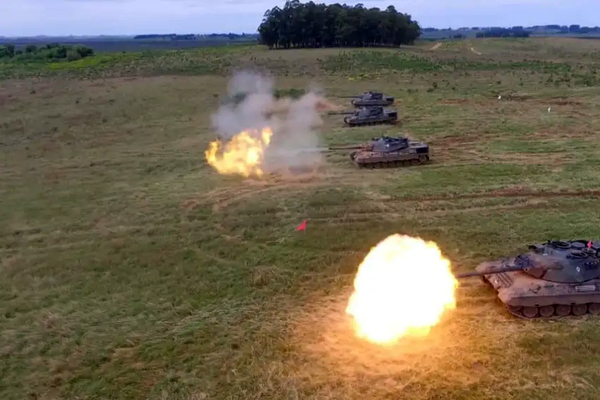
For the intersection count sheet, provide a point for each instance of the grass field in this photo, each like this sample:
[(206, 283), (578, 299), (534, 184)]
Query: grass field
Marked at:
[(131, 269)]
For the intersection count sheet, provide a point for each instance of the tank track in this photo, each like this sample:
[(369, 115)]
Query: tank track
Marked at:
[(391, 122), (555, 311), (392, 164)]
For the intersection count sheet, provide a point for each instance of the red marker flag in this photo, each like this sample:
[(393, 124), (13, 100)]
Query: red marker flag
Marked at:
[(302, 226), (589, 245)]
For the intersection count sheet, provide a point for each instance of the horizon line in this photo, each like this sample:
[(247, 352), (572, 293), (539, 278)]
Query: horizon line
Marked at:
[(256, 32)]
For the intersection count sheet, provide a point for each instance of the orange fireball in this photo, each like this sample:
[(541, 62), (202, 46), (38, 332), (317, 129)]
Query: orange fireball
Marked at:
[(242, 155), (402, 287)]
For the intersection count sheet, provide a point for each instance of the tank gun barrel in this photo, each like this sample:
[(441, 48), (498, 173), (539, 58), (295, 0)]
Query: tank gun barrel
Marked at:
[(499, 271), (284, 153), (341, 112), (349, 97), (350, 147)]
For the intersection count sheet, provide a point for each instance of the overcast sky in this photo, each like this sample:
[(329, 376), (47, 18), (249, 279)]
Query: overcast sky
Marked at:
[(115, 17)]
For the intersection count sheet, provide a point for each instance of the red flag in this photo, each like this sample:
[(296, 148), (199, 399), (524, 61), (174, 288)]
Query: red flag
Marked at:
[(589, 245), (302, 226)]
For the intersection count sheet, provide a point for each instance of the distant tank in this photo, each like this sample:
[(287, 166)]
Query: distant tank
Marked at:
[(370, 98), (552, 279), (368, 116), (390, 152)]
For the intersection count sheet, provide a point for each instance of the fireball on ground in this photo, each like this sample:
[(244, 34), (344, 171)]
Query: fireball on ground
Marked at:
[(402, 287), (242, 155)]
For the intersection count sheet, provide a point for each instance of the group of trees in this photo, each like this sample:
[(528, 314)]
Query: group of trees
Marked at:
[(52, 52), (320, 25)]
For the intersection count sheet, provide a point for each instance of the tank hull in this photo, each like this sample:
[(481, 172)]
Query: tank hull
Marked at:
[(527, 296), (404, 158), (373, 120)]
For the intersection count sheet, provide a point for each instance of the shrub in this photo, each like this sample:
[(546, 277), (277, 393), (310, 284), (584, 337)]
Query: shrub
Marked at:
[(73, 55)]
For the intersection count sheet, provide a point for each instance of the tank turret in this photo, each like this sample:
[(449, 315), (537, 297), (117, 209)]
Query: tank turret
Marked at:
[(370, 98), (551, 279)]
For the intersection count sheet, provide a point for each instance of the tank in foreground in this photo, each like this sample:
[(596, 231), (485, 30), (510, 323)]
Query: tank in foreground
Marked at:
[(552, 279)]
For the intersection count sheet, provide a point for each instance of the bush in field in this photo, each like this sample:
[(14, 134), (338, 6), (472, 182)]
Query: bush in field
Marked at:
[(73, 55)]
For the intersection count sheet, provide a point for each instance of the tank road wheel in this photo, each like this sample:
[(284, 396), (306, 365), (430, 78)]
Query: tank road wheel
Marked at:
[(594, 308), (406, 163), (579, 309), (563, 310), (423, 159), (397, 163), (414, 161), (530, 312), (547, 311), (515, 310), (370, 165)]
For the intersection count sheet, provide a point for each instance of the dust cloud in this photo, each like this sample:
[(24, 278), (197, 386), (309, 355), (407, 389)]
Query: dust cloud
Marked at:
[(295, 122)]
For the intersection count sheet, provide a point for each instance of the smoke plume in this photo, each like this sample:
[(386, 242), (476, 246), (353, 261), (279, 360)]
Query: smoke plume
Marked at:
[(294, 122)]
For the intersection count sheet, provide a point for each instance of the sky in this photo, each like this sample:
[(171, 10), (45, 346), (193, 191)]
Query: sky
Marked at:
[(131, 17)]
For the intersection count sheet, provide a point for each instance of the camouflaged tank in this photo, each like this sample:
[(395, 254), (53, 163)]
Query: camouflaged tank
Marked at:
[(552, 279), (369, 116), (389, 152), (370, 98)]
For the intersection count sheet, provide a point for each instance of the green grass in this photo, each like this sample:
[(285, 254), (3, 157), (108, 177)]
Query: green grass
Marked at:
[(131, 269)]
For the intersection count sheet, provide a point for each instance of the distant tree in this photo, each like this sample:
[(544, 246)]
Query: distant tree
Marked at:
[(30, 48), (4, 53), (319, 25), (73, 55), (10, 50), (84, 51), (574, 28)]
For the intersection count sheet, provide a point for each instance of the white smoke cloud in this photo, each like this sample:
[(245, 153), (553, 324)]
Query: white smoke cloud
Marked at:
[(294, 122)]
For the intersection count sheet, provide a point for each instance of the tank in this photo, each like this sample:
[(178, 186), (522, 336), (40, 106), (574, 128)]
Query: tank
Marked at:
[(389, 152), (370, 98), (551, 279), (368, 116)]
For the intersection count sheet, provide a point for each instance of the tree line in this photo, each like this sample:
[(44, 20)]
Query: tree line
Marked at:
[(48, 52), (516, 31), (335, 25), (192, 36)]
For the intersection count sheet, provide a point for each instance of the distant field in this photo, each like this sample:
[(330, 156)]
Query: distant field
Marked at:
[(132, 270), (116, 45)]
